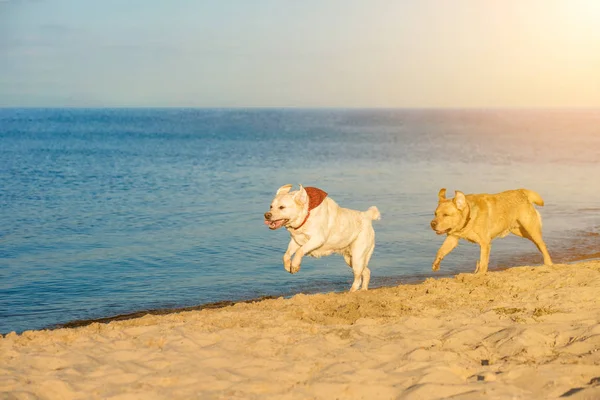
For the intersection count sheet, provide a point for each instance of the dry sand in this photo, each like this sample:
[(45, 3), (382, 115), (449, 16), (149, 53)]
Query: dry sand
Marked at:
[(523, 333)]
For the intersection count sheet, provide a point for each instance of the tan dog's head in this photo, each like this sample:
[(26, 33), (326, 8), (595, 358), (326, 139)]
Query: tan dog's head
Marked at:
[(287, 207), (450, 214)]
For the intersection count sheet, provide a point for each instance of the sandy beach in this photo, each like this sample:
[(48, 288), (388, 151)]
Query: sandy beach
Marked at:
[(522, 333)]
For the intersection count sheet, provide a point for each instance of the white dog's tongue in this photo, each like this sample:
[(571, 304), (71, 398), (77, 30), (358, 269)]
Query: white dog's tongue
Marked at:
[(274, 224)]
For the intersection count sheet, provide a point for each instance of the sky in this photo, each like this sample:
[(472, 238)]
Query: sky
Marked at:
[(290, 53)]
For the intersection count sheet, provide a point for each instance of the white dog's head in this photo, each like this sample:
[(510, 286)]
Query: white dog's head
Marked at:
[(287, 207)]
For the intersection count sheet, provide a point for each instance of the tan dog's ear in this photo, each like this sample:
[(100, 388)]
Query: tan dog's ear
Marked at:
[(284, 189), (442, 194), (301, 196), (460, 200)]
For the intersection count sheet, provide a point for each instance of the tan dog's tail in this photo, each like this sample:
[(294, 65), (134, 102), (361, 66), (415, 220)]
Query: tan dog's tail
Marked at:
[(533, 197), (373, 213)]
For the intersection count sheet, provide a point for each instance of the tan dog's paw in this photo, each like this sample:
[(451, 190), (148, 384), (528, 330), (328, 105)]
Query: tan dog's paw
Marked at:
[(480, 270), (435, 266)]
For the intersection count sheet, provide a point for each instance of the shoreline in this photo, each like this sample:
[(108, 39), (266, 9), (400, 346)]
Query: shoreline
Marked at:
[(583, 246), (520, 333), (158, 311), (394, 281)]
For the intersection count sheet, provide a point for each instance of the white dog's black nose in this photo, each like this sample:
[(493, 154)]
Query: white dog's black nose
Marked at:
[(268, 215)]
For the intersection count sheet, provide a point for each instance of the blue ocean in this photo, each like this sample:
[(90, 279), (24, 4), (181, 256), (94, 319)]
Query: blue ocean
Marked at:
[(105, 212)]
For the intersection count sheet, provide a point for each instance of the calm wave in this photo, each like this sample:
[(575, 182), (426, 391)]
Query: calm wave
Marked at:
[(106, 212)]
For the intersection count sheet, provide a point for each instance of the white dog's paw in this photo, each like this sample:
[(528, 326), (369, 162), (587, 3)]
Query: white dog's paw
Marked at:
[(295, 265), (294, 268), (290, 266)]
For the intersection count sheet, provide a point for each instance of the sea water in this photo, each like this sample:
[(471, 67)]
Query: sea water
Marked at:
[(111, 211)]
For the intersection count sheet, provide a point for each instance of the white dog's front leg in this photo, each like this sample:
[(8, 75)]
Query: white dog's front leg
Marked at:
[(313, 243), (287, 257)]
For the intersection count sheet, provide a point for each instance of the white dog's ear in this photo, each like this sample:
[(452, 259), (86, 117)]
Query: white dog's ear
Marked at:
[(460, 200), (442, 194), (301, 196), (284, 189)]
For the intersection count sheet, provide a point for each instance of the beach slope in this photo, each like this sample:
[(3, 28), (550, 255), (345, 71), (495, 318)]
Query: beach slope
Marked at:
[(522, 333)]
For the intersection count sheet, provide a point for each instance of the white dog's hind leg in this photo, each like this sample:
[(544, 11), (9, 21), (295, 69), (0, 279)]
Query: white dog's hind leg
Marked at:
[(366, 277), (348, 259), (366, 274), (359, 268)]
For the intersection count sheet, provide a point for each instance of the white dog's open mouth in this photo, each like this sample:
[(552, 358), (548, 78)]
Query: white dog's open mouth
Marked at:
[(276, 224)]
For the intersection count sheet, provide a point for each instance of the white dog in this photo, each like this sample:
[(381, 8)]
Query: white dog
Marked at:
[(319, 227)]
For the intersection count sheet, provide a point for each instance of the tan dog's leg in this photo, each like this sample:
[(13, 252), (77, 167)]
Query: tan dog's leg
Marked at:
[(287, 257), (449, 244), (484, 258), (539, 242), (534, 233)]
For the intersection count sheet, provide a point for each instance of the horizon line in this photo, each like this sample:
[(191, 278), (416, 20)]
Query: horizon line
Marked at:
[(441, 108)]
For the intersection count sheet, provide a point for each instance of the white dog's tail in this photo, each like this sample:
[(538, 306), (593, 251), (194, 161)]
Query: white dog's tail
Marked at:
[(373, 213), (533, 197)]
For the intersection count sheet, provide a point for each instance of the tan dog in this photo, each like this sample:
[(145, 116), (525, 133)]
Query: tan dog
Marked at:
[(319, 227), (480, 218)]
